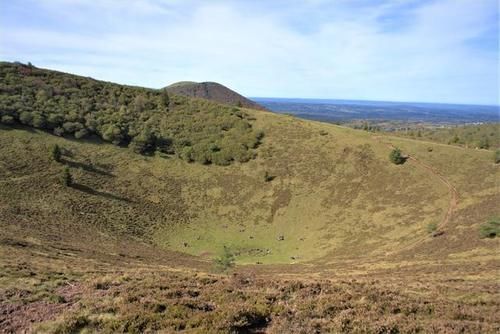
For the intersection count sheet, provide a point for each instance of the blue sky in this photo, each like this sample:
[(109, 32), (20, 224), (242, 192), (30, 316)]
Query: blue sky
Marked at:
[(398, 50)]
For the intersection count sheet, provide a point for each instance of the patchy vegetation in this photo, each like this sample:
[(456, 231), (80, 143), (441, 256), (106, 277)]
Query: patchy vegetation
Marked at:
[(66, 178), (431, 228), (55, 153), (225, 260), (483, 136), (490, 229), (396, 157), (138, 299), (146, 120)]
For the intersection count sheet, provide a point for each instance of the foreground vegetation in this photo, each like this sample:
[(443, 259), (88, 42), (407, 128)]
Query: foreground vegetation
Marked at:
[(66, 294), (146, 120)]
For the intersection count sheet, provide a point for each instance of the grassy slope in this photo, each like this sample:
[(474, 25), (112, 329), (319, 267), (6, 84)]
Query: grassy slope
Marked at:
[(334, 196), (88, 256)]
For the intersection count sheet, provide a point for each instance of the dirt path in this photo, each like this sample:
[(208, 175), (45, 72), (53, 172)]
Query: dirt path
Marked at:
[(452, 204)]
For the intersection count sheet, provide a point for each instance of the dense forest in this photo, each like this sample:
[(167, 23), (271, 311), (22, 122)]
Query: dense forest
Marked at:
[(145, 120), (484, 136)]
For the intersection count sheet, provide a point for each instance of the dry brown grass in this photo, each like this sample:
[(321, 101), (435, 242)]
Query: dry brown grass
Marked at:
[(140, 298)]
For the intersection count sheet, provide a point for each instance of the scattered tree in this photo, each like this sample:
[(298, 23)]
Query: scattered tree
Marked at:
[(490, 229), (497, 156), (55, 153), (396, 157), (66, 177), (225, 260)]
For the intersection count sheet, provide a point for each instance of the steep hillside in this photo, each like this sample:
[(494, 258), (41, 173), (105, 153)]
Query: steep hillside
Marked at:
[(333, 194), (134, 236), (327, 233), (212, 91)]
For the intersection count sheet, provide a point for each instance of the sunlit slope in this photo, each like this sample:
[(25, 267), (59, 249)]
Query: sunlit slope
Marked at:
[(334, 195)]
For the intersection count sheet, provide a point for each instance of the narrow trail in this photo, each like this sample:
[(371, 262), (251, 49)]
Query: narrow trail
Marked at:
[(452, 204)]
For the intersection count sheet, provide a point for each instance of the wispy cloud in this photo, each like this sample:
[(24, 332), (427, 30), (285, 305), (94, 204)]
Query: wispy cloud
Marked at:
[(444, 51)]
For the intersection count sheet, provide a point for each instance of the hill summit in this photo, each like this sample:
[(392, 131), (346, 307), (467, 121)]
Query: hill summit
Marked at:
[(212, 91)]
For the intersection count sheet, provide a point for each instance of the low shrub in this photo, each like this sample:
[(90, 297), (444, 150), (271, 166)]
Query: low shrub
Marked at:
[(66, 178), (55, 153), (490, 229), (431, 227), (396, 157), (225, 260)]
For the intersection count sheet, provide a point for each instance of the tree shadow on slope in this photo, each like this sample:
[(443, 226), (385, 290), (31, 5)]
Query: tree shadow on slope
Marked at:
[(86, 167), (16, 126), (91, 191)]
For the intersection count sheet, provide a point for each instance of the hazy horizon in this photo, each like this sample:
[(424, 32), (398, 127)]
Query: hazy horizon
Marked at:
[(363, 100)]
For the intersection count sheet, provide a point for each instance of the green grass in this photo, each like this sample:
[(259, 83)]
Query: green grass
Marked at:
[(333, 197)]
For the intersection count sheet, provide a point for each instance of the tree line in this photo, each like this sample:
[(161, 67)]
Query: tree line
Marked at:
[(145, 120)]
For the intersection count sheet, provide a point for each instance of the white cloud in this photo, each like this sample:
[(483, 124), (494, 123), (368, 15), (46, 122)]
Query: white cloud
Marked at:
[(308, 49)]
